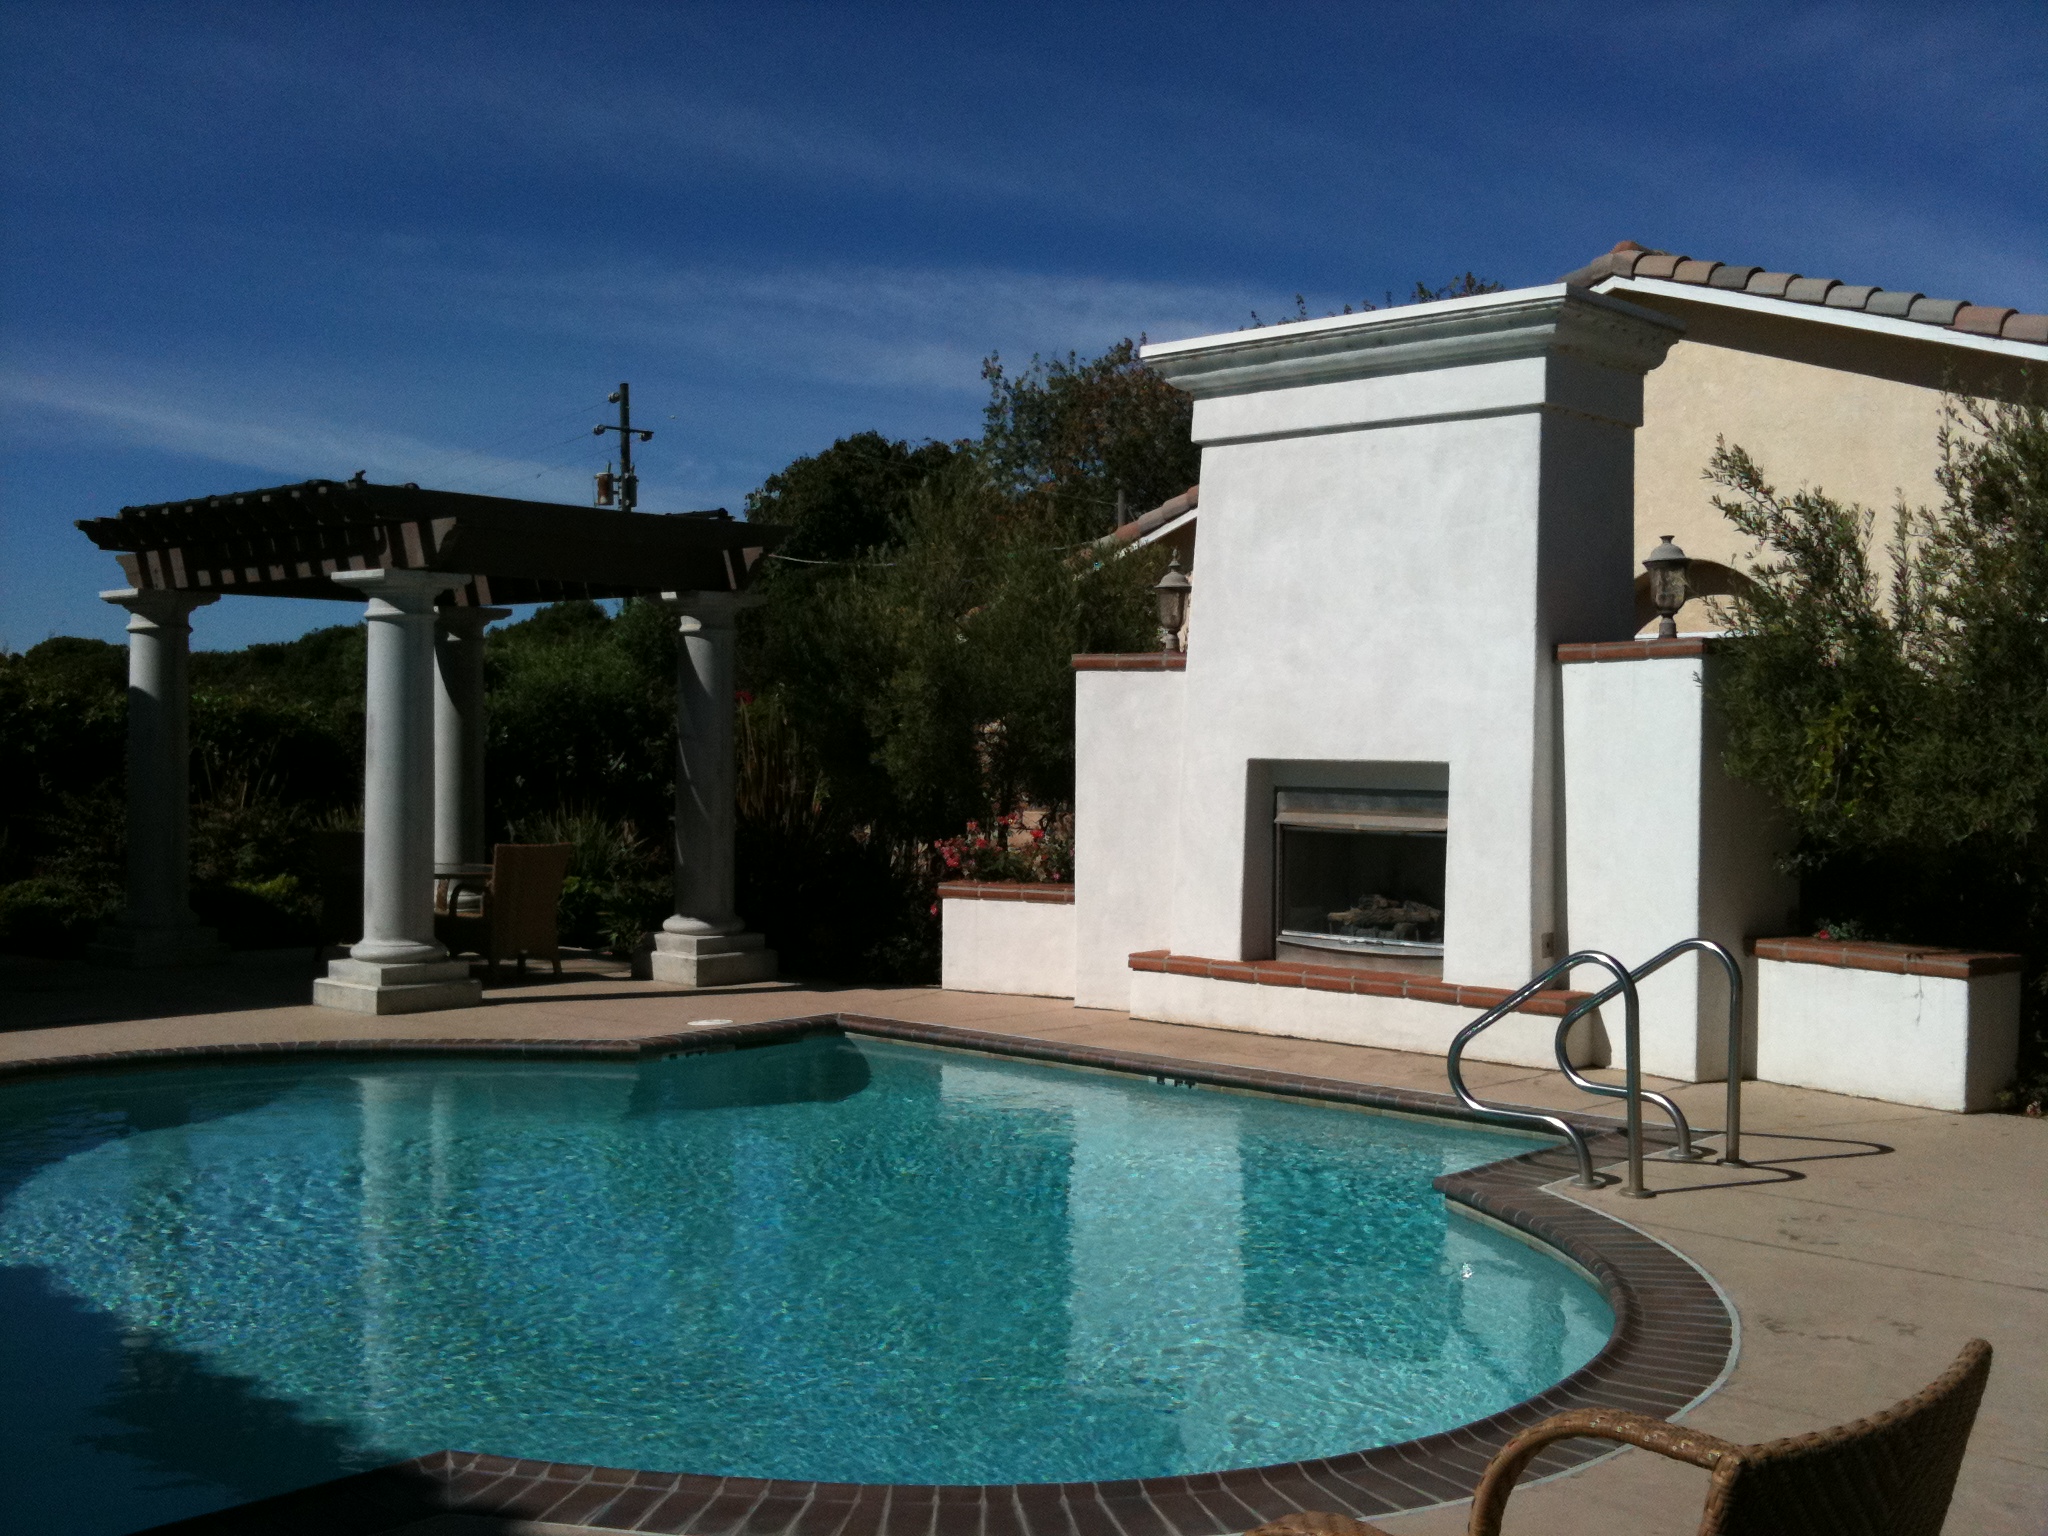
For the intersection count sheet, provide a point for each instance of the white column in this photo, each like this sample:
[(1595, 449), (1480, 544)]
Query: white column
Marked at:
[(459, 836), (158, 927), (704, 944), (398, 966)]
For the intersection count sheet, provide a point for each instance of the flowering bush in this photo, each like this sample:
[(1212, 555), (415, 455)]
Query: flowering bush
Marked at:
[(1011, 851)]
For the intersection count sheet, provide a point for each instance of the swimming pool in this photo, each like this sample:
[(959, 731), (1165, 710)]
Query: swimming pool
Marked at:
[(836, 1258)]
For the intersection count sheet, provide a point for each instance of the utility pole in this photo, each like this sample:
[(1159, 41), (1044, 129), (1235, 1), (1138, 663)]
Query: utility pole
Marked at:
[(626, 482)]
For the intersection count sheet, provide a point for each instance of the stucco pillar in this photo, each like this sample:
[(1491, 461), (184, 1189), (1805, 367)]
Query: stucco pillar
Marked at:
[(459, 735), (705, 942), (158, 927), (398, 966)]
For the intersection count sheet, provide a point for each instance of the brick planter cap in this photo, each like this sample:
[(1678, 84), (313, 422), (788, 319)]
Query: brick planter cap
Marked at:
[(1133, 661), (1899, 959), (1060, 893)]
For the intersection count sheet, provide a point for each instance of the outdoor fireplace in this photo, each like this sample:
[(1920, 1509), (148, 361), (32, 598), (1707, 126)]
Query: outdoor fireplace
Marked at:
[(1359, 876)]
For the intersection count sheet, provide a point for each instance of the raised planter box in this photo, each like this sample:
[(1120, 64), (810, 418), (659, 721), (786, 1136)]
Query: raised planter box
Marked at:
[(1007, 936), (1939, 1028)]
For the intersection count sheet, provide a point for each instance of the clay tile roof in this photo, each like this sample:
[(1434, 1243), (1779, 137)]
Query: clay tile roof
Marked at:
[(1158, 517), (1629, 259), (1981, 319)]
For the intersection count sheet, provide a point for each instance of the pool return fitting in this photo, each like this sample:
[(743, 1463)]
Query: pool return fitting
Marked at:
[(1631, 1089)]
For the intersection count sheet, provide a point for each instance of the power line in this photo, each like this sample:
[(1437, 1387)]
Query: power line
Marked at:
[(542, 423), (559, 461)]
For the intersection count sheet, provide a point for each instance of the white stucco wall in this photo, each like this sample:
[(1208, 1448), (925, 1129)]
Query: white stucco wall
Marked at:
[(1390, 1023), (1928, 1040), (1024, 947), (1127, 749), (1402, 513), (1660, 845)]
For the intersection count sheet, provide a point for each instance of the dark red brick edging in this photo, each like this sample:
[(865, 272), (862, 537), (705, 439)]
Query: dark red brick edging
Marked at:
[(1899, 959), (1053, 892), (1673, 1341), (1356, 981), (1637, 650), (1133, 661)]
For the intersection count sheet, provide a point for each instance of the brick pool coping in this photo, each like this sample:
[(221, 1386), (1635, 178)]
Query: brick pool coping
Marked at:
[(1674, 1340)]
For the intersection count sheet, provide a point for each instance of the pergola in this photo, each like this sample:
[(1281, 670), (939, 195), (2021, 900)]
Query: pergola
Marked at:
[(429, 565)]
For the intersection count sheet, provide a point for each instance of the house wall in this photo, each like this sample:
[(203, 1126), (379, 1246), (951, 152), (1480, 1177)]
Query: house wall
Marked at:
[(1402, 514), (1127, 750), (1662, 846), (1815, 404)]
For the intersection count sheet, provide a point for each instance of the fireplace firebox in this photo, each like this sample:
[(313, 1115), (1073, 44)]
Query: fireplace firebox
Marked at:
[(1359, 876)]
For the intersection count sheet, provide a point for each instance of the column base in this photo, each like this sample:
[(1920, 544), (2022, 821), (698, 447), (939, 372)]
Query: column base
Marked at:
[(156, 948), (693, 960), (362, 986)]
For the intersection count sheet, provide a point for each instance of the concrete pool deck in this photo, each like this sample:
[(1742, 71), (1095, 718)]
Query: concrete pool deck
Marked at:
[(1865, 1243)]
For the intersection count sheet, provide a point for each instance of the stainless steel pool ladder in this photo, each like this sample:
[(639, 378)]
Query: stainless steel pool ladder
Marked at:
[(1631, 1089), (1731, 1144), (1502, 1115)]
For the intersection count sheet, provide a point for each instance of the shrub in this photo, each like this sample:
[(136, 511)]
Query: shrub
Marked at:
[(1905, 731)]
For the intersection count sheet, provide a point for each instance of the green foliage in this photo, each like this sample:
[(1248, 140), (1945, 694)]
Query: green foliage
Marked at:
[(1073, 432), (581, 713), (936, 686), (848, 500), (619, 886), (1905, 730), (323, 669)]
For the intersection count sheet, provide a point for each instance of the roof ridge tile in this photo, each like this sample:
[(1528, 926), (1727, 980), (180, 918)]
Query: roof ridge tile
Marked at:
[(1982, 319), (1632, 260)]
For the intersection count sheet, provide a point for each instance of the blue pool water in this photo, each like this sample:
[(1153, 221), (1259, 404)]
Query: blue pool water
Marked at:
[(834, 1259)]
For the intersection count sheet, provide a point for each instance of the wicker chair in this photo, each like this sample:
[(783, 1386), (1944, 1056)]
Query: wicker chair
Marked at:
[(1888, 1475), (517, 916)]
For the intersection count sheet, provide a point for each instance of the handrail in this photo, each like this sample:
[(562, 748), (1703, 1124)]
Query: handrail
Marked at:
[(1625, 985), (1732, 1142)]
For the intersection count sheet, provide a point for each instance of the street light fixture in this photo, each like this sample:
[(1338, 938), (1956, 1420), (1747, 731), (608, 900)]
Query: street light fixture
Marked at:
[(1172, 596), (1667, 565)]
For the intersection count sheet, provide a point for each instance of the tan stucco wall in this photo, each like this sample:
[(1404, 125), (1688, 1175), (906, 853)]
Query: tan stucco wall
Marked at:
[(1816, 406)]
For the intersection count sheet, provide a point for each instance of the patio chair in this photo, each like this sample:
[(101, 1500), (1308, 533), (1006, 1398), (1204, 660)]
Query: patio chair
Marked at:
[(338, 877), (1891, 1474), (517, 915)]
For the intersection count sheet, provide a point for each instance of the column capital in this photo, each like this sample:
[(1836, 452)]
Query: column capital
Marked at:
[(709, 610), (409, 592), (158, 606)]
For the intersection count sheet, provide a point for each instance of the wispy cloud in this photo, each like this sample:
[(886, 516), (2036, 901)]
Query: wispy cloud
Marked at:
[(910, 328), (137, 406)]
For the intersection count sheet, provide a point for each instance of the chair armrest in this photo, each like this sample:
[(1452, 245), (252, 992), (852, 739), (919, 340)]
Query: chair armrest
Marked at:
[(1317, 1522), (1490, 1499)]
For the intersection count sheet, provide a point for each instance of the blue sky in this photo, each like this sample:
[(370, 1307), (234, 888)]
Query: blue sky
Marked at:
[(245, 245)]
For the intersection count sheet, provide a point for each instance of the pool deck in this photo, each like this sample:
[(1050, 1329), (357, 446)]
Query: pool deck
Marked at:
[(1862, 1246)]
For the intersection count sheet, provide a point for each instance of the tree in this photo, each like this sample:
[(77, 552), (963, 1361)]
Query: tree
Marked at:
[(933, 683), (1905, 731), (1073, 432), (847, 500)]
